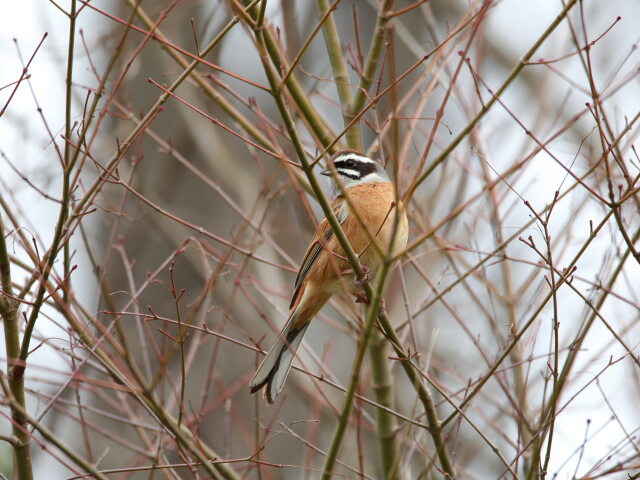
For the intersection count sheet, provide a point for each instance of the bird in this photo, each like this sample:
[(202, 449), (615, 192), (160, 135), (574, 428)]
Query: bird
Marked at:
[(368, 210)]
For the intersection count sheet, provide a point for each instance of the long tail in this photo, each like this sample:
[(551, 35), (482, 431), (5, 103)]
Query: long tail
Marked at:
[(275, 367)]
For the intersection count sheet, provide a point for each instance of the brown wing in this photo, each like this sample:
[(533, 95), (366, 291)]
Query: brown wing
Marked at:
[(320, 239)]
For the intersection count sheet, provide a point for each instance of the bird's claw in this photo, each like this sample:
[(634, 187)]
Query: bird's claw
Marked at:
[(361, 298), (365, 277)]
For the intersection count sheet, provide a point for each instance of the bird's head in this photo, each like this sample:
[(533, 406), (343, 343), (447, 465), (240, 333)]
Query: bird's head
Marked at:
[(353, 168)]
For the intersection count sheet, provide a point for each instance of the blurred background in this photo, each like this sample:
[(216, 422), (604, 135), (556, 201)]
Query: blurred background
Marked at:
[(518, 299)]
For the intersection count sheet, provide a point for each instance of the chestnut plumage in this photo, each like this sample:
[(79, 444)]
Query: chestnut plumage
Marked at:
[(324, 270)]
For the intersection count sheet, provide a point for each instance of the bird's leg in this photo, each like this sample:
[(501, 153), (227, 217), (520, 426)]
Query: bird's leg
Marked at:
[(361, 298), (359, 283), (365, 277)]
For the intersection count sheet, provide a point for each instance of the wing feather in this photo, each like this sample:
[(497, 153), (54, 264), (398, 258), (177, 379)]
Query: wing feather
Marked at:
[(320, 240)]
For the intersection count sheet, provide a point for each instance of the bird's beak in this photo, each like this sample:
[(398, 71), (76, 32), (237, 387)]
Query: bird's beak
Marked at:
[(326, 172)]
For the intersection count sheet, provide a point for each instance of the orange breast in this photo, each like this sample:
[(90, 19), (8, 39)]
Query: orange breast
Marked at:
[(375, 213)]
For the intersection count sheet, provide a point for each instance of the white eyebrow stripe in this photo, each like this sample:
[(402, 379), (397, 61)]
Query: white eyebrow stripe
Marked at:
[(355, 156), (348, 171)]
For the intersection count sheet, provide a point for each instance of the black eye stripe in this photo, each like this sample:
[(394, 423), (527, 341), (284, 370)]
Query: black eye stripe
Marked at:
[(354, 168), (345, 162)]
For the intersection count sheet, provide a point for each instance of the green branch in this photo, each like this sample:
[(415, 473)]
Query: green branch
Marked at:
[(298, 95), (15, 368), (340, 75), (371, 63), (343, 419), (48, 435), (386, 423)]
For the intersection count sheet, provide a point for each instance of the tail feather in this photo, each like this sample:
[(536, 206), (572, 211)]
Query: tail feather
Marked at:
[(275, 367)]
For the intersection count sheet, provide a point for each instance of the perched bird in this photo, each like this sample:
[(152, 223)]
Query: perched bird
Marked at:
[(325, 271)]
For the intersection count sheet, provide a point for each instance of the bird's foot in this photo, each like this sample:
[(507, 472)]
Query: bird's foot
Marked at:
[(361, 298), (365, 277)]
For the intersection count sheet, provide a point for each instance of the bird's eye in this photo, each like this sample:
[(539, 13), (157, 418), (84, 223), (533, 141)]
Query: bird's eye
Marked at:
[(350, 163)]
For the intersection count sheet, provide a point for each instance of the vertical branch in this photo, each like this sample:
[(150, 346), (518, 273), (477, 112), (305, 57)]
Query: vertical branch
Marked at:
[(15, 367), (386, 423), (181, 339), (343, 419), (533, 469), (60, 230), (371, 63), (394, 150), (340, 74), (66, 170), (576, 346), (381, 380), (299, 96), (556, 343), (435, 425), (50, 436), (17, 352)]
